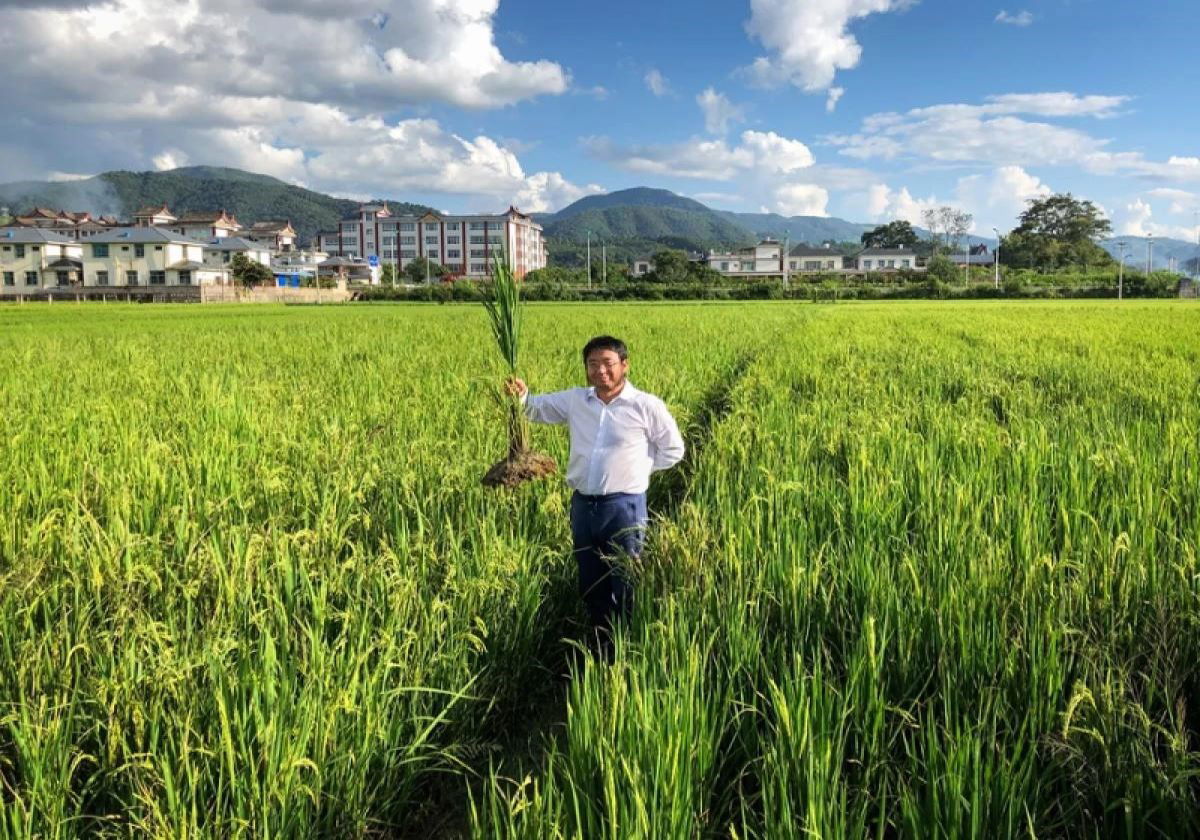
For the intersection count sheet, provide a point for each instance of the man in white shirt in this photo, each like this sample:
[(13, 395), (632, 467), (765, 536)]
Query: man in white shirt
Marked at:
[(619, 435)]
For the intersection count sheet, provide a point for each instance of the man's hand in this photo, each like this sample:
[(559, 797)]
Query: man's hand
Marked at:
[(515, 386)]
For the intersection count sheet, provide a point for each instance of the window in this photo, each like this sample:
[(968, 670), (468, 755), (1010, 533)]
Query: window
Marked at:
[(158, 278), (905, 263), (477, 225), (35, 248), (101, 278), (452, 240), (139, 250), (724, 266), (185, 278), (811, 265), (792, 265), (477, 240), (10, 279), (408, 240), (453, 255), (477, 254), (157, 247), (100, 250), (350, 227), (477, 268), (31, 278), (431, 227), (131, 278), (408, 226), (19, 250), (431, 240), (407, 255)]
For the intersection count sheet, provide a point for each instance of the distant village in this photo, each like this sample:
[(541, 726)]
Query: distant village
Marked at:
[(157, 252)]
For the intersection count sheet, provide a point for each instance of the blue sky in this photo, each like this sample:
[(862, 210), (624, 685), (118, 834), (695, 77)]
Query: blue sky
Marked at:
[(864, 109)]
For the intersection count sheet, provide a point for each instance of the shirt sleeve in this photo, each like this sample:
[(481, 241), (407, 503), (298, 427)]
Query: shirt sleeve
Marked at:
[(547, 408), (665, 438)]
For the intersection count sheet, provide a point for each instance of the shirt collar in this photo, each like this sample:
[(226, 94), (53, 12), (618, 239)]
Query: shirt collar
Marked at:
[(627, 392)]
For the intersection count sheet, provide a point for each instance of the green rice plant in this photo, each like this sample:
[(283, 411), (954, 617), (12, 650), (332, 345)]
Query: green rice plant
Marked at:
[(504, 315)]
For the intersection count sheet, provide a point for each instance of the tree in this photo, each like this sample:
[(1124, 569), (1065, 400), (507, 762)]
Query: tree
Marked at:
[(670, 266), (899, 234), (1058, 231), (416, 271), (250, 273), (946, 225)]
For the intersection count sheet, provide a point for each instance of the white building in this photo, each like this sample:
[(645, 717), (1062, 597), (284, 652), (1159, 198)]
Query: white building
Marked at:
[(762, 260), (464, 244), (219, 253), (883, 259), (804, 258), (154, 217), (35, 258), (278, 236), (146, 256)]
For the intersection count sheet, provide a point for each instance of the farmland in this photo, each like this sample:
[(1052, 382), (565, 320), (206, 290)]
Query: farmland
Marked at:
[(928, 570)]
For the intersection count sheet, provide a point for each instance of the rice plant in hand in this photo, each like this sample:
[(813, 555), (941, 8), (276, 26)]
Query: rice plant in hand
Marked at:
[(521, 464)]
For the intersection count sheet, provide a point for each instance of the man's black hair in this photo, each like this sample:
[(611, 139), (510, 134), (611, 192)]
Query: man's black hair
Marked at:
[(606, 342)]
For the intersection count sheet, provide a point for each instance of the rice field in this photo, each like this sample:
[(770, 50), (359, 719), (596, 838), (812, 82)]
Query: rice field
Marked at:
[(929, 570)]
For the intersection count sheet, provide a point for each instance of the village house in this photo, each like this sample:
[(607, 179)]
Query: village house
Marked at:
[(146, 256), (278, 236), (33, 258), (206, 226)]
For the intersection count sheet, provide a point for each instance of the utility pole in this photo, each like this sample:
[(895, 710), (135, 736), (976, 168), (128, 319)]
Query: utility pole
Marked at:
[(783, 262), (589, 258), (1149, 254), (967, 261), (996, 257), (1121, 247)]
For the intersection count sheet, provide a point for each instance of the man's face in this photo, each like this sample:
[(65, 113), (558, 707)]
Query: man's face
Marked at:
[(605, 369)]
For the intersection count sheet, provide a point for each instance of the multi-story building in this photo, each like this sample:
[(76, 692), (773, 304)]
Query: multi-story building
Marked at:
[(75, 225), (34, 258), (146, 256), (278, 236), (207, 226), (762, 260), (464, 244)]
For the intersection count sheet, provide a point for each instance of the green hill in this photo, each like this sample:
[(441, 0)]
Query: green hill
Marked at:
[(251, 197)]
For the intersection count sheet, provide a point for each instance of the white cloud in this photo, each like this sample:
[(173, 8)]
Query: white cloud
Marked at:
[(991, 133), (719, 112), (764, 153), (801, 200), (657, 83), (996, 200), (993, 199), (211, 81), (831, 101), (1021, 18), (1136, 219), (1182, 201), (808, 40)]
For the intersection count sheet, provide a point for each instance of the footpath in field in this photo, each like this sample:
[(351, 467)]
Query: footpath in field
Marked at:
[(536, 720)]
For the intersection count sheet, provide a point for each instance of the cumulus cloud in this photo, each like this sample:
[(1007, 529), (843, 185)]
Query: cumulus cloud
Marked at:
[(994, 199), (765, 153), (1021, 18), (831, 100), (801, 200), (808, 41), (210, 81), (657, 83), (1136, 219), (718, 111), (999, 133)]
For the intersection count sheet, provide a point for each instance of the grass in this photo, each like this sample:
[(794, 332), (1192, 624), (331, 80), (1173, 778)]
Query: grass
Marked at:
[(932, 572)]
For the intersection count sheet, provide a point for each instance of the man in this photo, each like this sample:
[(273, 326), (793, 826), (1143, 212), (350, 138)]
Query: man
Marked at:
[(619, 435)]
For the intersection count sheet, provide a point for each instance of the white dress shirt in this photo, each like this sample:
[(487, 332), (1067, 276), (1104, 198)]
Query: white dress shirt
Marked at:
[(614, 447)]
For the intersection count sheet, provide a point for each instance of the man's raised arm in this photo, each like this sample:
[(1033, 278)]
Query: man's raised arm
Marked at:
[(546, 408)]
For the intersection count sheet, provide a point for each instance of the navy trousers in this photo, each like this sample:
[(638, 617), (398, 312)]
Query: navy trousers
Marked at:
[(606, 530)]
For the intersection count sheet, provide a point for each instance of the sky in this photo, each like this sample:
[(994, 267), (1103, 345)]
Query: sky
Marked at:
[(868, 110)]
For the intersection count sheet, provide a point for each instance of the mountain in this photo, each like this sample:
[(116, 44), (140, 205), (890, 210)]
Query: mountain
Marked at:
[(250, 196), (811, 229), (635, 197), (1165, 252), (702, 227)]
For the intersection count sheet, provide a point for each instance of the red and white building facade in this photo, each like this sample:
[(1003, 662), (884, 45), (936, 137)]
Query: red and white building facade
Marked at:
[(466, 245)]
